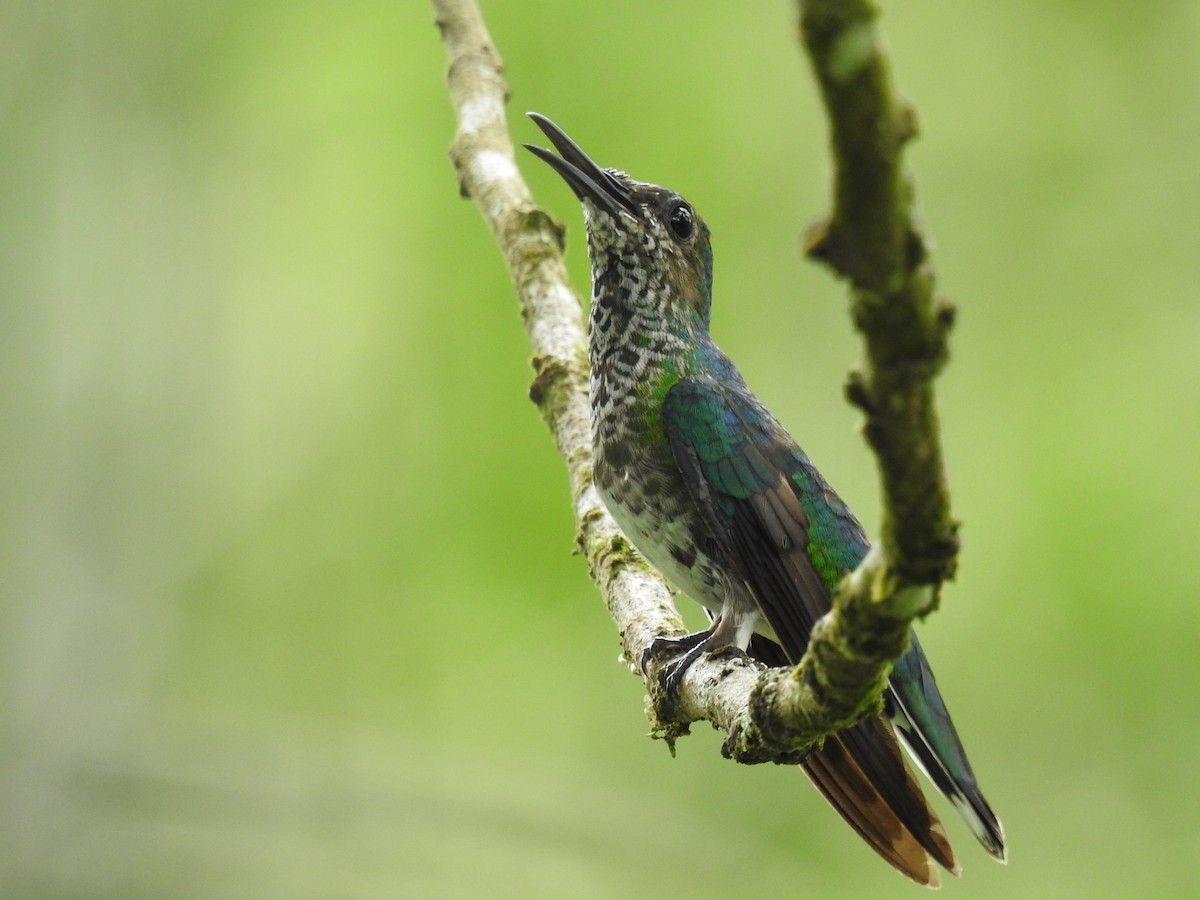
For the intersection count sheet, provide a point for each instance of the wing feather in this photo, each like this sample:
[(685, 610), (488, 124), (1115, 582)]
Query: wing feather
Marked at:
[(746, 474)]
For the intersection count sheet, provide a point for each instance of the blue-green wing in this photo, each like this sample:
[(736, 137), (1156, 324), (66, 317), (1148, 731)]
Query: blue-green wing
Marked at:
[(794, 539), (769, 508), (791, 538)]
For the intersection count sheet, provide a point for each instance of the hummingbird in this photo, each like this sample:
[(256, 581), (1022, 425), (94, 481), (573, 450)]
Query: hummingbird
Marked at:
[(717, 496)]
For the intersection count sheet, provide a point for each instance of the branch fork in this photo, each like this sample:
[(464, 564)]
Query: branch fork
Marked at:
[(768, 715)]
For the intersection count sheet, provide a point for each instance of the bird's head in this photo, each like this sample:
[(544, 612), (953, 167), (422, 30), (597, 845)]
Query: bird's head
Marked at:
[(647, 246)]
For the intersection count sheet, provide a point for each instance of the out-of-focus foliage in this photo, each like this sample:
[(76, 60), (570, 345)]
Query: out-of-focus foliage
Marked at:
[(287, 605)]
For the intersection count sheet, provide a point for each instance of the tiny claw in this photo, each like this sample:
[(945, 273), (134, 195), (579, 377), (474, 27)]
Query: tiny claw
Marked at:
[(647, 655)]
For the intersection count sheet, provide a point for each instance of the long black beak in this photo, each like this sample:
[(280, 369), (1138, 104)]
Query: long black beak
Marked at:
[(585, 178)]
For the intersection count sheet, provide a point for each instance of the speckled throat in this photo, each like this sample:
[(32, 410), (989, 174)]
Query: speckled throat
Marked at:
[(635, 359)]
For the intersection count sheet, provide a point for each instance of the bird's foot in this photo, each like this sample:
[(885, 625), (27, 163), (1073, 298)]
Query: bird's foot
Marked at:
[(692, 646)]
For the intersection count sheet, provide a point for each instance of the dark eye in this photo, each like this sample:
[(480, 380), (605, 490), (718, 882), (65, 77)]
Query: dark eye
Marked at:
[(681, 221)]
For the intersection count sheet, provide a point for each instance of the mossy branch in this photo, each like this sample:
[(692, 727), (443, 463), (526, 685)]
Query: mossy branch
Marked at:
[(871, 240), (768, 714)]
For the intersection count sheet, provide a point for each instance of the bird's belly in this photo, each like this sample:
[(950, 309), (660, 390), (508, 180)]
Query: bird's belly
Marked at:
[(667, 530)]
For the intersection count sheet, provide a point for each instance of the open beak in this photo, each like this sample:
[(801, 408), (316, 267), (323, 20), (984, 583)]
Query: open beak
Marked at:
[(585, 178)]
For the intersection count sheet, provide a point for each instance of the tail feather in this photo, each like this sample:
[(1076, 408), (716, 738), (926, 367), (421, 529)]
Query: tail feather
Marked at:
[(873, 745), (850, 791), (961, 791), (919, 715), (862, 773)]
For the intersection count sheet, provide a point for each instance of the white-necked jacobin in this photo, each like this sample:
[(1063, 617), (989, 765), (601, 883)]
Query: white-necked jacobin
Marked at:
[(717, 496)]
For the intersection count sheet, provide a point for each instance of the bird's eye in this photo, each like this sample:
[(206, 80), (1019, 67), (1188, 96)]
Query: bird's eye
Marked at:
[(681, 221)]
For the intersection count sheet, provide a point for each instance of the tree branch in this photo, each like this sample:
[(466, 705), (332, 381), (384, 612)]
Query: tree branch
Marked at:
[(872, 242), (768, 714)]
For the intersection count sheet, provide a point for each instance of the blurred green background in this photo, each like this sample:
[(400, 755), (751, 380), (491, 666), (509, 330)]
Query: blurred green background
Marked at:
[(287, 604)]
